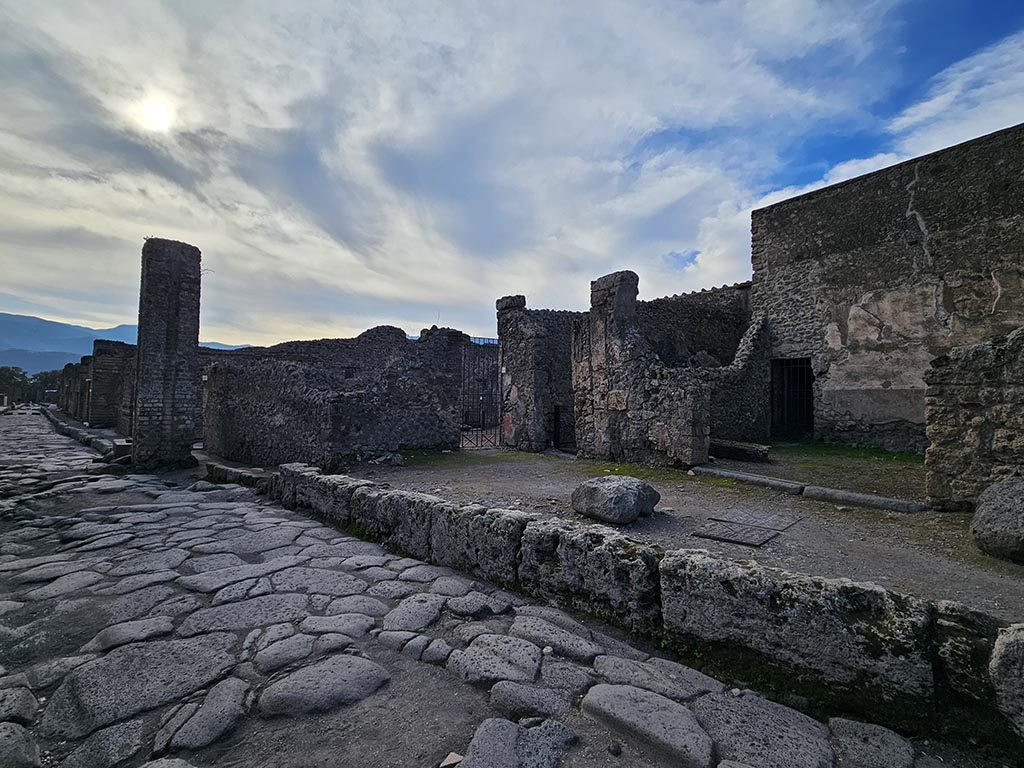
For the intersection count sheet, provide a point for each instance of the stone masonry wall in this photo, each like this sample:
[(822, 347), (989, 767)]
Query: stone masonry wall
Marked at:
[(974, 410), (702, 328), (336, 400), (858, 647), (874, 277), (629, 405), (167, 373), (110, 359), (535, 360)]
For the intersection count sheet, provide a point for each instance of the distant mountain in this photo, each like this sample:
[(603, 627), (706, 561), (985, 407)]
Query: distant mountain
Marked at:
[(37, 345)]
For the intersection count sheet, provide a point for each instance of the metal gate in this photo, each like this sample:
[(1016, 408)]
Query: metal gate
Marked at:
[(792, 398), (480, 398)]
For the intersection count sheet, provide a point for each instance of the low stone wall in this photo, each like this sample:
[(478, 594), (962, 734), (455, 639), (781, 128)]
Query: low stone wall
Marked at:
[(848, 647), (974, 417)]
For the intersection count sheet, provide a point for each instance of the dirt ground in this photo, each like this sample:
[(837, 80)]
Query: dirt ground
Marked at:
[(929, 554)]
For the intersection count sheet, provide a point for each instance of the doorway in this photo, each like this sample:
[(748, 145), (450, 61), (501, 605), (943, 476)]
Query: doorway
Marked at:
[(792, 398)]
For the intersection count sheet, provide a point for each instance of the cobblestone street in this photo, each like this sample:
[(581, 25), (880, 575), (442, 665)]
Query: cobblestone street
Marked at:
[(166, 622)]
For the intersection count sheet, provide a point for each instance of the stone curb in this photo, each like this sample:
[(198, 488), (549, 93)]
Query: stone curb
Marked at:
[(894, 654), (816, 492), (786, 486)]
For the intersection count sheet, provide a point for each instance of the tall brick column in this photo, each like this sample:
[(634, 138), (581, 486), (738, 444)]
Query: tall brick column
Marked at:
[(167, 390)]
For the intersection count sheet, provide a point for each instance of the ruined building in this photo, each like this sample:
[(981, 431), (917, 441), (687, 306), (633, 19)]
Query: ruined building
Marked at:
[(857, 288)]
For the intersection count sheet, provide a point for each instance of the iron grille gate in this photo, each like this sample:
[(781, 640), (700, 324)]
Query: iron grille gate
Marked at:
[(792, 398), (480, 400)]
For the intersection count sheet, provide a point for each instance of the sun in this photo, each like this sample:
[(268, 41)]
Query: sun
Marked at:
[(155, 114)]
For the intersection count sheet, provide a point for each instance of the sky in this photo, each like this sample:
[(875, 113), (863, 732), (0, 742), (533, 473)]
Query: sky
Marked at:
[(349, 164)]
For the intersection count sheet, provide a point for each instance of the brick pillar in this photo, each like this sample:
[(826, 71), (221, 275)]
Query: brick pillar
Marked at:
[(168, 373)]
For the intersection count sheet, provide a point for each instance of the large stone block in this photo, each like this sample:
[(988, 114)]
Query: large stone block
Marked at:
[(592, 569), (482, 542), (848, 634), (964, 641), (400, 520), (330, 496), (1007, 673)]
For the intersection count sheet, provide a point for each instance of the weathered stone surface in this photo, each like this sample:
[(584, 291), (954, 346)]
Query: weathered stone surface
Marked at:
[(323, 686), (257, 612), (863, 745), (107, 748), (213, 580), (415, 613), (492, 658), (477, 605), (284, 652), (353, 625), (317, 581), (964, 640), (17, 705), (517, 701), (998, 524), (129, 632), (148, 563), (358, 604), (658, 675), (167, 762), (503, 744), (251, 543), (592, 569), (615, 499), (566, 676), (848, 633), (479, 541), (436, 653), (562, 642), (221, 709), (660, 722), (17, 747), (73, 582), (133, 679), (1007, 672), (750, 729)]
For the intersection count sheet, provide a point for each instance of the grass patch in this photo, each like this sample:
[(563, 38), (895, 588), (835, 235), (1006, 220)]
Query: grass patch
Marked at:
[(656, 475), (811, 449)]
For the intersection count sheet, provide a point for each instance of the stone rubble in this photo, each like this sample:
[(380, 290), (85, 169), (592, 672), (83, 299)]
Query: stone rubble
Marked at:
[(269, 614)]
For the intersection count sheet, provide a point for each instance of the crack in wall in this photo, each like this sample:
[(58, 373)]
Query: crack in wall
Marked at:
[(999, 293), (912, 212)]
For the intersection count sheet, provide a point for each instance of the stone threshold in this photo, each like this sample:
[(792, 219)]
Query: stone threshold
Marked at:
[(816, 492)]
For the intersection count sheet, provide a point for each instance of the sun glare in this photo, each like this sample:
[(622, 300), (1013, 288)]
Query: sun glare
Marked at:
[(155, 114)]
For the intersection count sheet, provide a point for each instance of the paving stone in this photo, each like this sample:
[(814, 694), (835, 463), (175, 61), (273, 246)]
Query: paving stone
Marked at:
[(423, 573), (395, 639), (157, 561), (358, 604), (517, 701), (394, 590), (6, 606), (284, 652), (561, 641), (415, 647), (751, 729), (415, 613), (323, 686), (167, 762), (129, 632), (1006, 671), (863, 745), (133, 679), (141, 603), (437, 652), (73, 582), (212, 581), (223, 706), (492, 658), (105, 542), (17, 705), (133, 583), (46, 673), (665, 725), (251, 543), (477, 605), (503, 744), (658, 675), (242, 590), (171, 724), (452, 586), (316, 581), (108, 747), (554, 616), (353, 625), (205, 563), (51, 571), (566, 676), (247, 614), (17, 747)]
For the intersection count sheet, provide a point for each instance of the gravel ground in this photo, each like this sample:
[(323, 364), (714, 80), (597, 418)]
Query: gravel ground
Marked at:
[(929, 555)]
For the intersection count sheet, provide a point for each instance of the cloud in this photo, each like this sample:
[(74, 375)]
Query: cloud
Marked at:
[(343, 165)]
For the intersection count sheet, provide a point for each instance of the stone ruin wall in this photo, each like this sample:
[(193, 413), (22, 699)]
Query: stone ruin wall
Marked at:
[(336, 400), (109, 382), (653, 381), (167, 375), (875, 277), (974, 409), (535, 363)]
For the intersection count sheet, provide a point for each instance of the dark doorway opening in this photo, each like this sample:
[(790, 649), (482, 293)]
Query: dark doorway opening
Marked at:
[(556, 428), (480, 401), (792, 398)]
